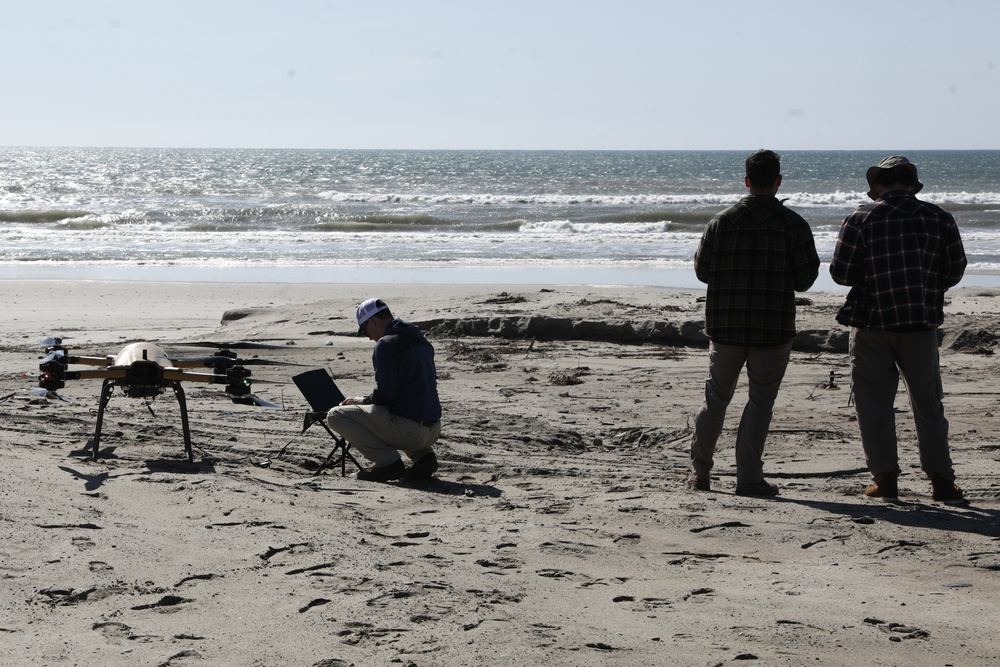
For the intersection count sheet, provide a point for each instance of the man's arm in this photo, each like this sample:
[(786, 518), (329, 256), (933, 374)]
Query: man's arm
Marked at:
[(806, 261), (846, 266), (955, 261), (386, 363), (703, 255)]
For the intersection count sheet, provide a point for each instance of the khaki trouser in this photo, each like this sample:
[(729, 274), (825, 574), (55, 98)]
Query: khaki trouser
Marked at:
[(878, 358), (380, 435), (765, 370)]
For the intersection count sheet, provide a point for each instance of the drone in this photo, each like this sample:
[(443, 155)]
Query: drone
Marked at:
[(145, 370)]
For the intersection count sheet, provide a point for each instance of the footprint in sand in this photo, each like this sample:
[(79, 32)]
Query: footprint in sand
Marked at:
[(99, 566), (113, 631), (82, 542)]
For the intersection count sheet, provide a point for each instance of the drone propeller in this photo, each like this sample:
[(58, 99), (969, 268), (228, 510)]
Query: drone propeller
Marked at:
[(235, 345), (47, 393), (54, 340), (55, 354), (250, 399), (265, 362), (223, 360)]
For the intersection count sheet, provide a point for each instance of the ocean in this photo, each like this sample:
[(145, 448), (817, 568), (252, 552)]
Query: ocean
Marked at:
[(371, 216)]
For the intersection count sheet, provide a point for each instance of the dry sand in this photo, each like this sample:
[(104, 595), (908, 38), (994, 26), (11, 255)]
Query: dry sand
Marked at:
[(558, 532)]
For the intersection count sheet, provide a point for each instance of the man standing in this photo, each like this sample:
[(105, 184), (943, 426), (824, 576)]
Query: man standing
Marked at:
[(898, 255), (754, 256), (403, 413)]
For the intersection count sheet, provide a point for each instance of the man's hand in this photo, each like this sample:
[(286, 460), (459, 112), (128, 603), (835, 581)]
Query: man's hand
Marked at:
[(353, 400)]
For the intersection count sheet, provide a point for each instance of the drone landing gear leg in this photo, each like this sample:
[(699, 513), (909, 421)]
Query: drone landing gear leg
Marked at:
[(182, 402), (106, 389)]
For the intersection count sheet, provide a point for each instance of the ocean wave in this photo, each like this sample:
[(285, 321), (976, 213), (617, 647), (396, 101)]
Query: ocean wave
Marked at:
[(214, 227), (130, 218), (955, 200), (380, 224), (537, 199), (836, 199), (596, 228), (40, 217), (84, 224), (383, 220), (975, 200)]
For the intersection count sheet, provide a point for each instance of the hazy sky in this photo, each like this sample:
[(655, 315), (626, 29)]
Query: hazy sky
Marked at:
[(506, 74)]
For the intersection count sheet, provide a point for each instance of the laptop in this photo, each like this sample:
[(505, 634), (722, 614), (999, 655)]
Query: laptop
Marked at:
[(319, 389), (322, 394)]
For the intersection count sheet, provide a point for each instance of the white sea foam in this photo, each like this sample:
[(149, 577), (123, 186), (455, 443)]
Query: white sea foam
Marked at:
[(599, 228), (540, 199), (837, 198)]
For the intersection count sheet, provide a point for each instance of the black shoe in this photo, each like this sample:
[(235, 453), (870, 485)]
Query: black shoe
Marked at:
[(699, 483), (761, 488), (387, 473), (423, 468)]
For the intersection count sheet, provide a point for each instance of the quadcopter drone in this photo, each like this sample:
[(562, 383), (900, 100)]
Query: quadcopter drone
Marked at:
[(144, 370)]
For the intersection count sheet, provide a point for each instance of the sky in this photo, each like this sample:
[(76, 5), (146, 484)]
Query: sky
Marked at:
[(502, 74)]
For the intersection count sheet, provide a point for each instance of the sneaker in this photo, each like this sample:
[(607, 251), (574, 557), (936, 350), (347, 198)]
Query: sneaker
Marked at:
[(699, 483), (945, 491), (386, 473), (762, 489), (423, 468), (887, 488)]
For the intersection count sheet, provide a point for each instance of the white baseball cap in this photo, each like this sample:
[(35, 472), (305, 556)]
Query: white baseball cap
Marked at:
[(367, 309)]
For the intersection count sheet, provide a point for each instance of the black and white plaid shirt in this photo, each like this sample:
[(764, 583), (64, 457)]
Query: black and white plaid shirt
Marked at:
[(898, 254), (754, 256)]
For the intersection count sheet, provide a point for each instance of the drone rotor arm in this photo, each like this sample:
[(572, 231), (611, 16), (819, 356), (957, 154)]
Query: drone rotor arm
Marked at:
[(178, 375), (91, 361), (68, 360), (203, 362), (102, 374)]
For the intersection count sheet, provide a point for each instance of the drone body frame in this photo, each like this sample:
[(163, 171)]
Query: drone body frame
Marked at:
[(144, 370)]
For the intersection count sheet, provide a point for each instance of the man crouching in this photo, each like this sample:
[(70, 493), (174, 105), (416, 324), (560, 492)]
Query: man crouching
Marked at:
[(403, 413)]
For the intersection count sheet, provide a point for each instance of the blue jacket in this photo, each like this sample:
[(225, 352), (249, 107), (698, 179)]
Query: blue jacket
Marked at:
[(405, 376)]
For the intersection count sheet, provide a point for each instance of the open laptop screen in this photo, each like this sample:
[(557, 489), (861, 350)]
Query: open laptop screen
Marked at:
[(319, 389)]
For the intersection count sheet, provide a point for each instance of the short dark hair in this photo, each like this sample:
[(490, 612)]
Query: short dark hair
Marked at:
[(763, 168), (898, 174)]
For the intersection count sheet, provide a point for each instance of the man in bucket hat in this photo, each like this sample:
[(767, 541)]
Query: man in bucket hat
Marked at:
[(898, 255), (403, 412)]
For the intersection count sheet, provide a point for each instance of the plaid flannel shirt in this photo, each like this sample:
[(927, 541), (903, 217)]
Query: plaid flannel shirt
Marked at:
[(754, 256), (898, 255)]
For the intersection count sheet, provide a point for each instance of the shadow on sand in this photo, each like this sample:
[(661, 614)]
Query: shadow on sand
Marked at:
[(915, 514)]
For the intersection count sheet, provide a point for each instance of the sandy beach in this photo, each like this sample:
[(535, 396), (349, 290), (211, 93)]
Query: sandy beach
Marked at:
[(559, 530)]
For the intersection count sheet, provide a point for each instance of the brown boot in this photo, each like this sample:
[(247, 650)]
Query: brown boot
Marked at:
[(886, 488), (761, 489), (945, 491)]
